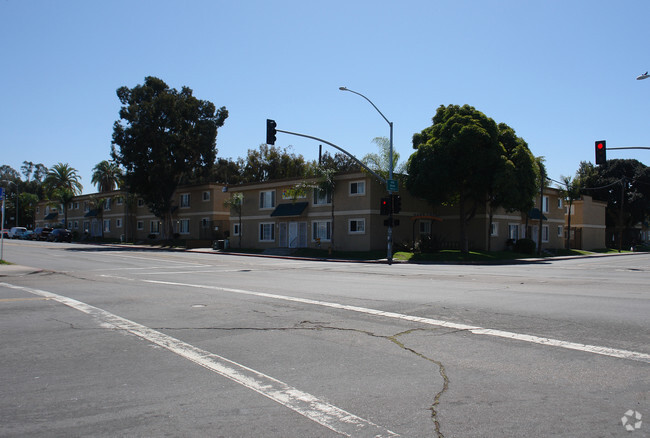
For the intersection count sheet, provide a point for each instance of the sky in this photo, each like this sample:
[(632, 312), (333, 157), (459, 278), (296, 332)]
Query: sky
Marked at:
[(562, 73)]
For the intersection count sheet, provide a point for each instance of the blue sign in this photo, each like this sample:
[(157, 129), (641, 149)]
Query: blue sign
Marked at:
[(2, 193)]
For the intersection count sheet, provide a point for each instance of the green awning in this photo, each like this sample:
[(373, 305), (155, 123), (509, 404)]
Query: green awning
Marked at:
[(92, 213), (534, 214), (293, 209), (51, 216)]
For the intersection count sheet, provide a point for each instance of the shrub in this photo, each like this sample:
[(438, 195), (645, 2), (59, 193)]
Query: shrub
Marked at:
[(525, 246)]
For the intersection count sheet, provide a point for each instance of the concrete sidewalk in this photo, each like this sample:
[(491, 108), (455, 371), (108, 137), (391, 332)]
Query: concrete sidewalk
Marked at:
[(17, 270)]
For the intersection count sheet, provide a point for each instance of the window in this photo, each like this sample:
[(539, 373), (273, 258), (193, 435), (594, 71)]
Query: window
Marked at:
[(321, 230), (357, 226), (118, 223), (425, 227), (70, 206), (184, 226), (86, 226), (38, 209), (205, 222), (267, 199), (76, 205), (185, 200), (69, 225), (140, 225), (545, 233), (235, 230), (107, 204), (357, 188), (206, 196), (140, 202), (107, 225), (494, 229), (267, 232), (119, 200), (560, 231), (86, 207), (76, 225), (545, 204), (154, 227), (322, 197), (559, 202), (513, 231)]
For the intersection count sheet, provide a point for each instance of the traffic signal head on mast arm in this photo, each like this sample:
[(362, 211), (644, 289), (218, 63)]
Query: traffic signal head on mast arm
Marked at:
[(270, 131), (601, 152)]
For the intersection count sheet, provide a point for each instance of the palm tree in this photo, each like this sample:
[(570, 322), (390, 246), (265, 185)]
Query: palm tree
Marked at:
[(380, 162), (62, 183), (570, 192), (106, 175)]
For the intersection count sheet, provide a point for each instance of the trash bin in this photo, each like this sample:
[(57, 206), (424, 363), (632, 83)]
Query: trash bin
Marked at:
[(218, 244)]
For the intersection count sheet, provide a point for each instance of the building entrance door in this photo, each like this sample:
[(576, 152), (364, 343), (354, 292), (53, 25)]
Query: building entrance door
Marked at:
[(293, 235)]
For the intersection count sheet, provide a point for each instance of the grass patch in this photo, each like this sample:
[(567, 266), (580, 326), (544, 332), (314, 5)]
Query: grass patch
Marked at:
[(4, 262)]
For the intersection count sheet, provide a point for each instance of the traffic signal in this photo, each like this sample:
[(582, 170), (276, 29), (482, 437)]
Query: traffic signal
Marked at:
[(397, 203), (601, 152), (270, 131), (385, 206)]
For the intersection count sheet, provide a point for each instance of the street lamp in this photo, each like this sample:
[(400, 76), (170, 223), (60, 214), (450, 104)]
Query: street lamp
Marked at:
[(390, 171)]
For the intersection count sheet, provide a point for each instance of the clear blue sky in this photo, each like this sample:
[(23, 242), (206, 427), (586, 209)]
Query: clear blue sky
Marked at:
[(561, 73)]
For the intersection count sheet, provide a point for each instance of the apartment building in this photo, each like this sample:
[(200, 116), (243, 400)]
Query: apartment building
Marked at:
[(198, 214)]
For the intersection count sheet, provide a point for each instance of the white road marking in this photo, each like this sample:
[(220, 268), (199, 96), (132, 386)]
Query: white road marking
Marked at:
[(595, 349), (330, 416)]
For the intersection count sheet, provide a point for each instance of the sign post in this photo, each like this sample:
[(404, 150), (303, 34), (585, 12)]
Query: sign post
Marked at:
[(2, 224)]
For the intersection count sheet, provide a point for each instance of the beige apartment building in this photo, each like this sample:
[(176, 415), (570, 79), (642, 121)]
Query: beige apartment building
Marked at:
[(198, 215), (274, 215), (349, 219)]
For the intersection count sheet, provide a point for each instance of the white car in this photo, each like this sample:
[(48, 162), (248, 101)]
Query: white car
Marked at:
[(17, 232)]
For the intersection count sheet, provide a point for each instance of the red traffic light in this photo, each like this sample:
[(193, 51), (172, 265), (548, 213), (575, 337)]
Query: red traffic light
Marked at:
[(601, 152)]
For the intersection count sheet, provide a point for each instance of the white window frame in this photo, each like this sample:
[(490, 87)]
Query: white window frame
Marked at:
[(424, 227), (140, 202), (494, 229), (119, 200), (183, 226), (107, 204), (206, 195), (267, 199), (263, 227), (544, 204), (139, 225), (560, 231), (322, 197), (76, 225), (235, 229), (118, 223), (559, 203), (185, 200), (357, 185), (107, 225), (357, 221), (512, 227), (154, 227), (316, 230), (545, 233)]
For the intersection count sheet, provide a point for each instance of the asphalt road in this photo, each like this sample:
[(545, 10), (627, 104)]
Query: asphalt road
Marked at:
[(106, 341)]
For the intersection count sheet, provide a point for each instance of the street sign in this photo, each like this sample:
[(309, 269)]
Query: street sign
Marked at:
[(2, 193), (392, 185)]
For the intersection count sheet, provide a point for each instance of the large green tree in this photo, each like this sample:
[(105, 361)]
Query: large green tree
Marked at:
[(62, 183), (455, 162), (268, 163), (164, 136), (625, 186)]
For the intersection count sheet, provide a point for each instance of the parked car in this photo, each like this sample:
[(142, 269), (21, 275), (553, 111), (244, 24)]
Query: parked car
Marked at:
[(5, 234), (41, 233), (27, 235), (16, 232), (60, 235)]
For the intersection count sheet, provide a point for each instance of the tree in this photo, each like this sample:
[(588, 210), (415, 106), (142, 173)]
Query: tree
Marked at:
[(380, 162), (62, 183), (106, 176), (570, 191), (625, 186), (268, 163), (235, 203), (455, 161), (163, 137), (518, 164)]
